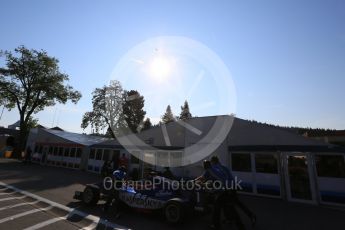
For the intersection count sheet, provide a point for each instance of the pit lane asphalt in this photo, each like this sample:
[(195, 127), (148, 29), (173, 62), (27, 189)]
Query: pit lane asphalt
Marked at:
[(58, 185), (18, 208)]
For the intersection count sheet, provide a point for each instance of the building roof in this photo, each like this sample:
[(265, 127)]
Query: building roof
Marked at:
[(245, 132), (41, 126), (14, 125), (325, 133), (57, 128), (249, 135), (244, 135), (82, 139), (6, 131)]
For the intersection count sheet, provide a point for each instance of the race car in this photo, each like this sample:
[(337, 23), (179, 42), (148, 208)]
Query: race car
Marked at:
[(175, 205)]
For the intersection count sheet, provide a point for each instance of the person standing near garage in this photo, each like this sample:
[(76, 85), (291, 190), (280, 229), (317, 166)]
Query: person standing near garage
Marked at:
[(106, 169), (207, 174), (232, 196), (123, 160), (222, 199), (211, 174)]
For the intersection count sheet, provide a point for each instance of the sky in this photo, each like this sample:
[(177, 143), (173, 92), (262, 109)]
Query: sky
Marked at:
[(286, 59)]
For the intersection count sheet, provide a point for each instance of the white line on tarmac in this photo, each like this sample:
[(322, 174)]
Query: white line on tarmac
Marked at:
[(24, 214), (90, 217), (18, 205), (90, 227), (46, 223), (50, 221), (7, 193), (12, 198)]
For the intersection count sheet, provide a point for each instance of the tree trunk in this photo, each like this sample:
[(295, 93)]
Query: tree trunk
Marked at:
[(110, 133), (21, 140)]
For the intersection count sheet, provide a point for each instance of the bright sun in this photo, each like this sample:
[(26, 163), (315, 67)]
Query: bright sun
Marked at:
[(160, 68)]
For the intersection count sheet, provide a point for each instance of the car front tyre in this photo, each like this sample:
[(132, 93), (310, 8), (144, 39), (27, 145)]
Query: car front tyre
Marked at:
[(90, 196)]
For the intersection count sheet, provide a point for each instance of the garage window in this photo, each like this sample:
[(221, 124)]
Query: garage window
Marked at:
[(99, 154), (241, 162), (50, 152), (175, 158), (266, 163), (66, 152), (40, 149), (330, 166), (134, 159), (60, 151), (106, 155), (92, 154), (72, 152), (55, 151), (163, 158), (78, 153)]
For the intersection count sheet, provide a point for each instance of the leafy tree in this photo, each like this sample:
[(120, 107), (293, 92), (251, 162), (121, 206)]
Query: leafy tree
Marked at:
[(31, 80), (133, 112), (168, 116), (106, 109), (147, 124), (32, 123), (185, 113)]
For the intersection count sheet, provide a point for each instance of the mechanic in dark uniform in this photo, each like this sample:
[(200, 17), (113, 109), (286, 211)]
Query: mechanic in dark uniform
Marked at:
[(106, 169), (118, 176), (229, 210), (207, 174), (222, 199), (215, 176), (168, 174)]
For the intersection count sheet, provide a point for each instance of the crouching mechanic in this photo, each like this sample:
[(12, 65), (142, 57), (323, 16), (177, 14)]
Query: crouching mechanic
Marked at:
[(113, 199)]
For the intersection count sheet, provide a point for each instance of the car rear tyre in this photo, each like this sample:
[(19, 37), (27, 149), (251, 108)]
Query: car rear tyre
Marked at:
[(173, 212), (90, 196)]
